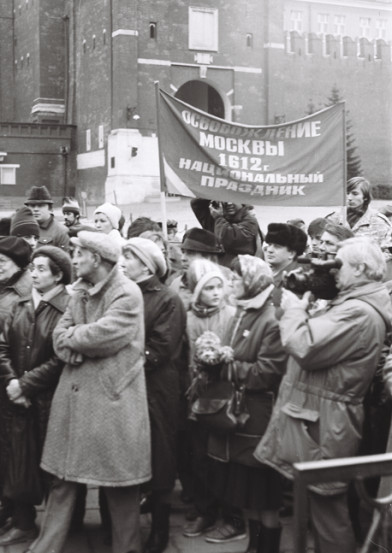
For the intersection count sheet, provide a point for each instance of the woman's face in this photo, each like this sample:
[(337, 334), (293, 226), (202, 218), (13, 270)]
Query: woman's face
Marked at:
[(102, 223), (7, 267), (355, 197), (132, 267), (42, 276), (238, 286), (212, 293)]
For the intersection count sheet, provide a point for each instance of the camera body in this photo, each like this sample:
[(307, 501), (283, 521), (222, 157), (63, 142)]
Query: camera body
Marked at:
[(314, 276)]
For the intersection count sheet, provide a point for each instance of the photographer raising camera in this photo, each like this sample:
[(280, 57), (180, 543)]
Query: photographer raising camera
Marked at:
[(332, 360)]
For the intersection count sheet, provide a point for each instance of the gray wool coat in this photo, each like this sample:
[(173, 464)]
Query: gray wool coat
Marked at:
[(99, 430)]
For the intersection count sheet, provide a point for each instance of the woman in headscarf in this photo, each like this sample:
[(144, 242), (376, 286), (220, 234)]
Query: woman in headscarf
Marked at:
[(165, 322), (107, 219), (259, 363), (29, 371)]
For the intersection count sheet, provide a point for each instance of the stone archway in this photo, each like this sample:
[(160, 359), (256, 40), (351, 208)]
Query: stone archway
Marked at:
[(203, 96)]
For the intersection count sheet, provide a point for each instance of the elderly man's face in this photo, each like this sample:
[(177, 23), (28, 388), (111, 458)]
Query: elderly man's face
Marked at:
[(347, 275), (84, 262)]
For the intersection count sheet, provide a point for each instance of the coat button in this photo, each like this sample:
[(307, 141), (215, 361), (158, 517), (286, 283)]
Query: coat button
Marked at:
[(75, 388)]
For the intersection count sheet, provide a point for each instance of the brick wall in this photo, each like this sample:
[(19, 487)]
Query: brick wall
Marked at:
[(364, 82), (6, 61)]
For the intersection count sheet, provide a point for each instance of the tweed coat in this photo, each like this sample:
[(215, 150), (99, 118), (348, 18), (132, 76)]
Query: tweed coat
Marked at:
[(26, 353), (165, 323), (332, 359), (99, 431)]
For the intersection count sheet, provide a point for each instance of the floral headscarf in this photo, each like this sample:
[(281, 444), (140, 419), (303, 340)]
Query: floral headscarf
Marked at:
[(256, 275)]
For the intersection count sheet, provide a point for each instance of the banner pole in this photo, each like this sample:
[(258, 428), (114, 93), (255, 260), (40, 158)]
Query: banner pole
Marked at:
[(344, 211), (161, 167)]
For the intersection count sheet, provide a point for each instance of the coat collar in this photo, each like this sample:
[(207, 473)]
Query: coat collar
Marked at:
[(153, 284), (23, 285), (47, 223), (93, 290)]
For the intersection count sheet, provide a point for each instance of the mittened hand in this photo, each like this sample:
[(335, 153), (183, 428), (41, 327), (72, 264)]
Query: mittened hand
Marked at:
[(227, 354)]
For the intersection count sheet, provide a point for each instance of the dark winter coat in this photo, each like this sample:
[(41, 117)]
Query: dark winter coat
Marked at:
[(333, 357), (165, 323), (26, 353), (278, 287), (10, 294), (53, 233), (259, 363), (238, 235)]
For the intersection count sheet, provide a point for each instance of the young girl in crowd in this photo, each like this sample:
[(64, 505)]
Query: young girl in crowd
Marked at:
[(208, 312)]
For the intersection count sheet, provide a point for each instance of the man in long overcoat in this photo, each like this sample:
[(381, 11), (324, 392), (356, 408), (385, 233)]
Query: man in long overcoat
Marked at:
[(98, 431)]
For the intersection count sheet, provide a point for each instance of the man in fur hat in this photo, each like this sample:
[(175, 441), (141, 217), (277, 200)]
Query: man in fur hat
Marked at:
[(51, 233), (283, 244)]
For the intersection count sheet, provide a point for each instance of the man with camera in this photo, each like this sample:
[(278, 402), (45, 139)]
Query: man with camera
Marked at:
[(332, 359), (235, 226)]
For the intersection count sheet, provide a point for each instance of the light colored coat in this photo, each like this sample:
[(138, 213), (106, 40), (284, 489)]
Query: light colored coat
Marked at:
[(333, 357), (372, 223), (99, 430)]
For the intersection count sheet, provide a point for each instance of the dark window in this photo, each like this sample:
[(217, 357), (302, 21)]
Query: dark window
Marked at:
[(249, 40), (153, 30), (112, 162)]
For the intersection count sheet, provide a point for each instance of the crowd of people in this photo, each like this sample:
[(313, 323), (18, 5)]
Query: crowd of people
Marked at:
[(128, 361)]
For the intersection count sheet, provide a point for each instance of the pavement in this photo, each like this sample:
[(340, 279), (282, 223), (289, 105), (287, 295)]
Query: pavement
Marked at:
[(90, 538)]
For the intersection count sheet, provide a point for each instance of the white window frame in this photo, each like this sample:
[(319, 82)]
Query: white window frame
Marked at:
[(193, 35), (296, 21), (88, 140), (322, 23), (101, 136), (381, 28), (339, 25), (364, 27), (10, 167)]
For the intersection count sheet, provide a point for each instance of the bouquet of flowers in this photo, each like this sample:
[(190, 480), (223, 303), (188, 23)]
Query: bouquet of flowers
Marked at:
[(209, 351), (209, 360)]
